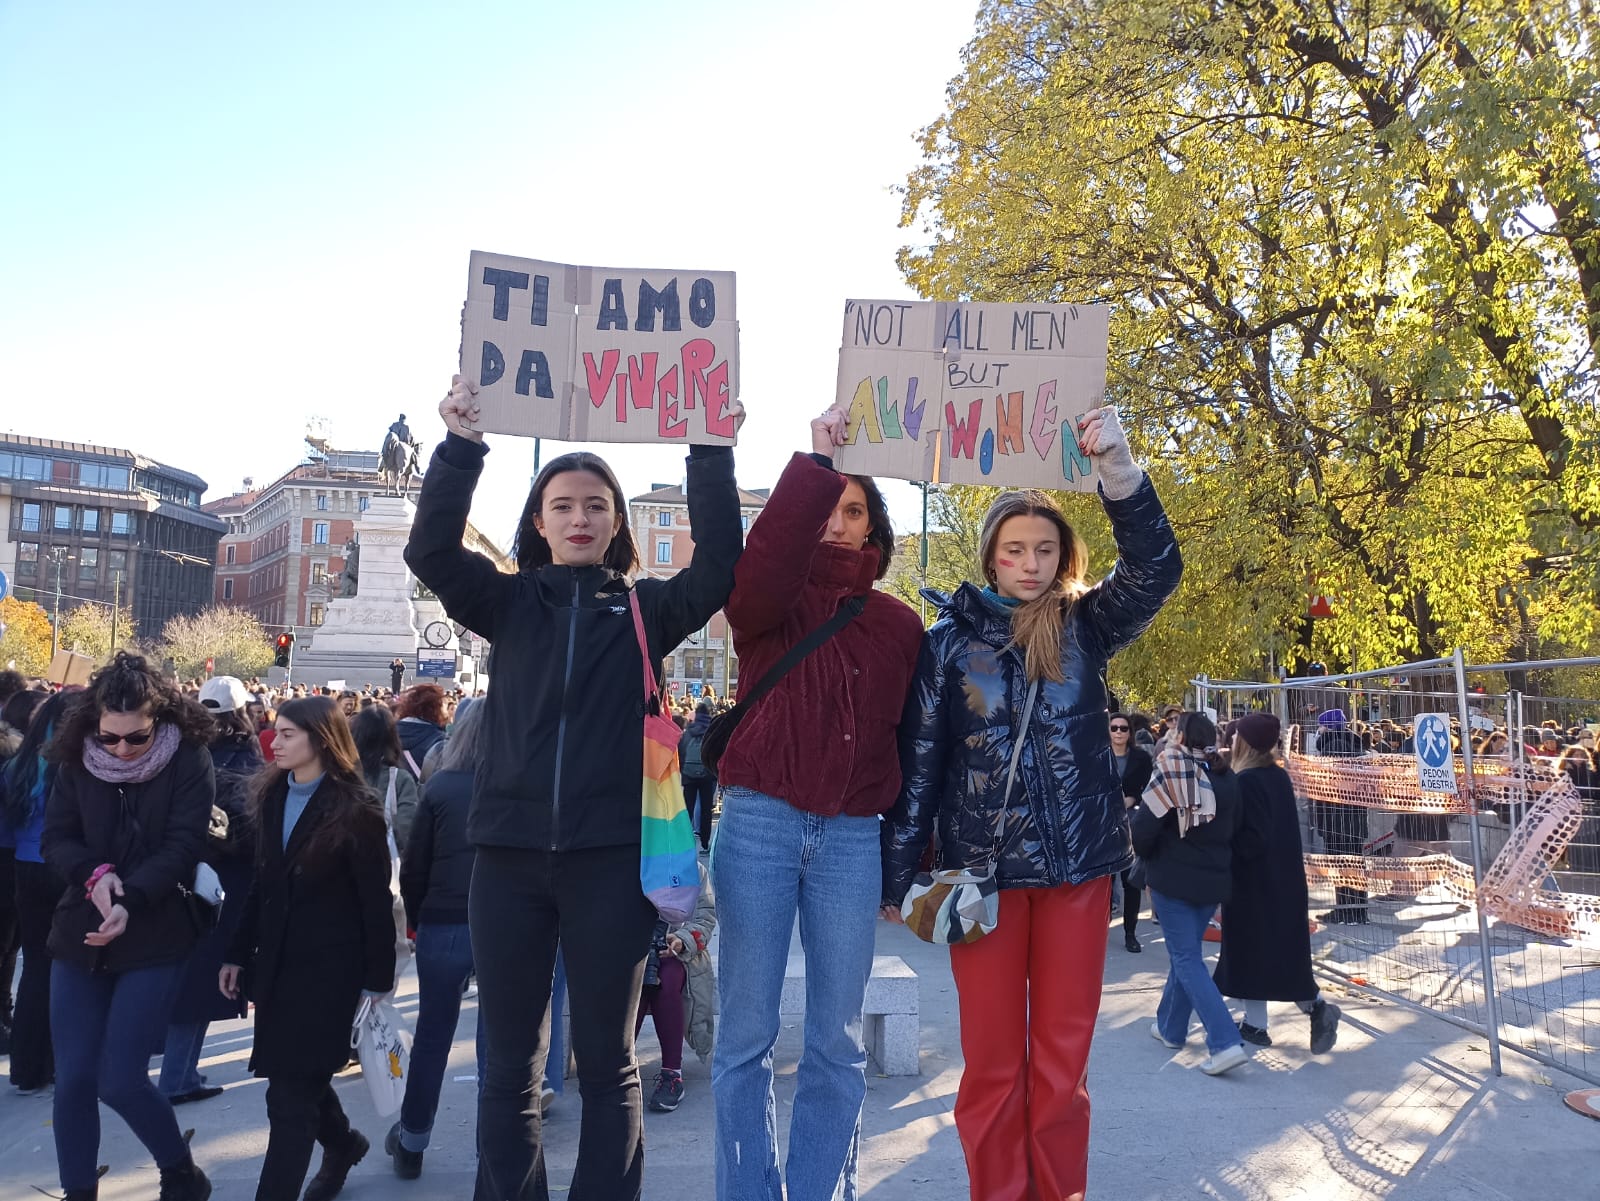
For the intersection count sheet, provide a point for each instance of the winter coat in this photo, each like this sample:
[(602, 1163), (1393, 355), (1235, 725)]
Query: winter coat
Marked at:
[(407, 796), (1136, 776), (10, 743), (418, 737), (693, 767), (235, 763), (154, 833), (1066, 822), (436, 870), (824, 739), (564, 717), (700, 976), (1196, 867), (1266, 941), (316, 931)]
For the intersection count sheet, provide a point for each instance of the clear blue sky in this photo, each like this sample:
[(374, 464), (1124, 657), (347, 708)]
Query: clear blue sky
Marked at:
[(221, 220)]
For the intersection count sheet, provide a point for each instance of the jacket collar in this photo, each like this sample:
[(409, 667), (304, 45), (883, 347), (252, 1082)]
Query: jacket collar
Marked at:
[(557, 581), (967, 607), (303, 829), (840, 569)]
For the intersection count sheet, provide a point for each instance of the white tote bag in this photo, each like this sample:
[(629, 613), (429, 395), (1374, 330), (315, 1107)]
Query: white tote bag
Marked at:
[(402, 945), (383, 1045)]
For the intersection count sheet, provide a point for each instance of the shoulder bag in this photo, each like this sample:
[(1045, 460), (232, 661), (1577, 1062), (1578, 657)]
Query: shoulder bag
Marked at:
[(962, 905)]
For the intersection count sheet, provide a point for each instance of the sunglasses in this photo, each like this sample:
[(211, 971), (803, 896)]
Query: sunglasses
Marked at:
[(138, 738), (1119, 729)]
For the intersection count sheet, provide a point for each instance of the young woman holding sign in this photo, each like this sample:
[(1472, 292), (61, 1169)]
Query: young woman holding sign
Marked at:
[(1030, 990), (556, 800)]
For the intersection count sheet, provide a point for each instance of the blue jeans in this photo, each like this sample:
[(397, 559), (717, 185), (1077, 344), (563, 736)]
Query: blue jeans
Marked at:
[(180, 1059), (769, 862), (444, 961), (1189, 988), (555, 1064), (104, 1027)]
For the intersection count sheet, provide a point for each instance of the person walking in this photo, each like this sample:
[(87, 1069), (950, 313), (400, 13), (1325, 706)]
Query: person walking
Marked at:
[(435, 879), (804, 778), (556, 800), (230, 850), (24, 788), (1133, 769), (317, 935), (124, 826), (1183, 831), (383, 767), (699, 781), (1029, 992), (1266, 943)]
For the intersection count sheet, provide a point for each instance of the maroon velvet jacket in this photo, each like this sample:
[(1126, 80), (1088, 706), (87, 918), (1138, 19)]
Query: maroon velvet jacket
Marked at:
[(824, 739)]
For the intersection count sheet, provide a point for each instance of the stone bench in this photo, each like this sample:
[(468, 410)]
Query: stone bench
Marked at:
[(891, 1013)]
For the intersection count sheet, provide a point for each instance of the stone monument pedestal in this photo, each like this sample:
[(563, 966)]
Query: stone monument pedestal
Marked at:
[(362, 634)]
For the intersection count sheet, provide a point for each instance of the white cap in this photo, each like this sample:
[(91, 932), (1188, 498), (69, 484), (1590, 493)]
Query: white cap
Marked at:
[(223, 694)]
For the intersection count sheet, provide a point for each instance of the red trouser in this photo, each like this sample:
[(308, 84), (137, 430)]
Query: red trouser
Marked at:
[(1023, 1108)]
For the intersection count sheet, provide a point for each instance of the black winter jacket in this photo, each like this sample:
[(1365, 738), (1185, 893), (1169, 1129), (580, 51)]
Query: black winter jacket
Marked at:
[(565, 709), (154, 833), (436, 872), (1066, 822), (1198, 867)]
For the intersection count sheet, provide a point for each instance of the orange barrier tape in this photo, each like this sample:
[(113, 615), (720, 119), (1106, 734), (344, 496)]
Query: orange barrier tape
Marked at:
[(1380, 782), (1381, 875)]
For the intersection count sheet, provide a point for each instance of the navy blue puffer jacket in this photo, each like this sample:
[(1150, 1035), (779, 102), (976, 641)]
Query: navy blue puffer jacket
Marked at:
[(1066, 822)]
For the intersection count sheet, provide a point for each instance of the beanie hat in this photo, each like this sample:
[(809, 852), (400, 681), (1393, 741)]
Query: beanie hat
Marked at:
[(1259, 730), (1332, 719)]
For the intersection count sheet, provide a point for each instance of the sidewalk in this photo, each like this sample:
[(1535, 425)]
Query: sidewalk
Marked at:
[(1404, 1108)]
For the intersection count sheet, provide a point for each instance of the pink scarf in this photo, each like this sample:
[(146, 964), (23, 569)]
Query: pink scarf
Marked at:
[(103, 765)]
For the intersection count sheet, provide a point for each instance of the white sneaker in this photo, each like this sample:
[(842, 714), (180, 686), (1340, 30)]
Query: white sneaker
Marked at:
[(1224, 1060), (547, 1098), (1155, 1033)]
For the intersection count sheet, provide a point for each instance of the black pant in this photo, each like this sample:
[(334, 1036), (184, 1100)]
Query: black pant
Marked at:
[(32, 1062), (701, 790), (1132, 898), (301, 1112), (522, 902), (8, 930), (1344, 832)]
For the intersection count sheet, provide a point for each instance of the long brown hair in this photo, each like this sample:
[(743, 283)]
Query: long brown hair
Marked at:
[(353, 811), (1036, 624), (531, 549), (880, 530), (126, 685)]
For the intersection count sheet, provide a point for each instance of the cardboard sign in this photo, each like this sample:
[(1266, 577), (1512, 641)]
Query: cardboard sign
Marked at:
[(596, 354), (971, 393), (69, 667)]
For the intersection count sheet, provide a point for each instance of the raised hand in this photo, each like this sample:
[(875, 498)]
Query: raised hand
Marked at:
[(827, 431), (459, 408)]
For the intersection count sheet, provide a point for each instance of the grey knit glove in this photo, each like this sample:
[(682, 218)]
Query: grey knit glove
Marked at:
[(1100, 434)]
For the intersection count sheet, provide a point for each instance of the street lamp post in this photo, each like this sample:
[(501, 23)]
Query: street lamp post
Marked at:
[(58, 556)]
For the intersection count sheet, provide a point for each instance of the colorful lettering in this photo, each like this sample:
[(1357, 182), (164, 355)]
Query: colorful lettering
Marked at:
[(613, 309), (913, 413), (491, 365), (1075, 464), (863, 415), (534, 370), (652, 302), (1008, 422), (702, 302), (698, 355), (986, 453), (1044, 412), (502, 282), (600, 378), (719, 421), (888, 412), (963, 434), (641, 381)]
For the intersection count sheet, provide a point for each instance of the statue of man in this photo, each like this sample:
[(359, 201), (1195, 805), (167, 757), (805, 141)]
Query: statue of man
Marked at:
[(352, 567), (399, 432)]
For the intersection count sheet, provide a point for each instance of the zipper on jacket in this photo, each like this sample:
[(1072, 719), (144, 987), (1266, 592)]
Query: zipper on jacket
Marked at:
[(561, 726)]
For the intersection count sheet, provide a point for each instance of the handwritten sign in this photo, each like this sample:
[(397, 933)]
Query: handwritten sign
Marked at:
[(970, 393), (595, 354)]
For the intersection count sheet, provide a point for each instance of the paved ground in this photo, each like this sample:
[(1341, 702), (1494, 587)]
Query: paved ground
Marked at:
[(1405, 1108)]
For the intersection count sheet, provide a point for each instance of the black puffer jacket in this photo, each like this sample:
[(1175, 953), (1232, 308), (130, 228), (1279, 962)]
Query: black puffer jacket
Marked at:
[(1066, 822)]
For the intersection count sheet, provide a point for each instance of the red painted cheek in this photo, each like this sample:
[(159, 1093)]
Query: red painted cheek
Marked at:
[(1005, 562)]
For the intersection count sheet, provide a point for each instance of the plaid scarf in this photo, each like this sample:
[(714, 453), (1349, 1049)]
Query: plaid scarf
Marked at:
[(1181, 781)]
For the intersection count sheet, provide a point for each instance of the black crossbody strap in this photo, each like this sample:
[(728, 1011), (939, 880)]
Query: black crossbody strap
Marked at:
[(848, 612)]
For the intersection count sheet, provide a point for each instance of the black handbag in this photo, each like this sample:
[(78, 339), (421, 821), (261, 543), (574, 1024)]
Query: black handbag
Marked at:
[(723, 725)]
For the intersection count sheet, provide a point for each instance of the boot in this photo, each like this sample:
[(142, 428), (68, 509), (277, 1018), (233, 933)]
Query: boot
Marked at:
[(407, 1164), (81, 1194), (1324, 1027), (184, 1182), (336, 1165)]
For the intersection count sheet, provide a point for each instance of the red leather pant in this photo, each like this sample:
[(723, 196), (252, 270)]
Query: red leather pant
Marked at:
[(1030, 993)]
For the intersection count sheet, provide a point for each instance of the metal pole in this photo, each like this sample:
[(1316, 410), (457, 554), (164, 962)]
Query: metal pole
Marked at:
[(1485, 958), (923, 551), (56, 556), (116, 607)]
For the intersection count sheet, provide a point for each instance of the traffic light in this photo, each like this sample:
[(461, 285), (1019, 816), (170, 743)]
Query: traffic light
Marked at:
[(285, 649)]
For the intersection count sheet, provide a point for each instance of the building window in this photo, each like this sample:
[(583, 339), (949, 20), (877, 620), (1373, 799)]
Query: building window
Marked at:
[(121, 522), (364, 502), (227, 589), (663, 518), (316, 614), (319, 533), (89, 563), (319, 575), (663, 550), (227, 555), (27, 560), (745, 522), (322, 502), (91, 521), (116, 560), (32, 517), (63, 517)]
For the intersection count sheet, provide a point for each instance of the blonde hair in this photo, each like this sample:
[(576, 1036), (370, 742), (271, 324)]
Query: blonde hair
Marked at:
[(1245, 756), (1036, 624)]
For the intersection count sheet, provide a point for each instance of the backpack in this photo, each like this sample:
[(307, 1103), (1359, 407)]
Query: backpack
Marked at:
[(690, 764)]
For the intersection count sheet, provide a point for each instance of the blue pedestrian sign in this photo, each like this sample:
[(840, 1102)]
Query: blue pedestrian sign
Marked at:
[(5, 586), (1436, 769)]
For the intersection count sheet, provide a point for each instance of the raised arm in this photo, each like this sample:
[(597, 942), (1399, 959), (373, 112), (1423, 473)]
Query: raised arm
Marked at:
[(924, 751), (468, 584), (681, 605)]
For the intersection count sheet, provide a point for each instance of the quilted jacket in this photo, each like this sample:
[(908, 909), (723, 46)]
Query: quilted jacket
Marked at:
[(1066, 822)]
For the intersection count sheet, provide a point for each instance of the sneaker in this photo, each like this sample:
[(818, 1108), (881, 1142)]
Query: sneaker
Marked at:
[(547, 1097), (407, 1164), (1131, 941), (1155, 1033), (204, 1093), (668, 1091), (1254, 1035), (336, 1165), (1224, 1060), (1324, 1027)]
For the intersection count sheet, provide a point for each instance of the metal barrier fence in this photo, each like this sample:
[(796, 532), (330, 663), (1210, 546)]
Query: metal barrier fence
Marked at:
[(1481, 906)]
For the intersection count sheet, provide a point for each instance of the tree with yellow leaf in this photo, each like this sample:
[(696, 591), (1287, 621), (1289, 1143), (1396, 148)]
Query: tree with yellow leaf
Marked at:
[(25, 644)]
